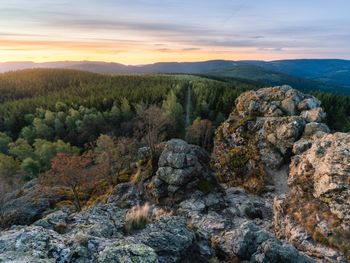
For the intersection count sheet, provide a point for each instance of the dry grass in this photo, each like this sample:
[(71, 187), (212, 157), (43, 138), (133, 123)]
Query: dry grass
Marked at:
[(144, 171), (139, 216), (308, 211)]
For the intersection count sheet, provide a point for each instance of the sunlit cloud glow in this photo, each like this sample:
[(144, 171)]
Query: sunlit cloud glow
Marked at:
[(140, 31)]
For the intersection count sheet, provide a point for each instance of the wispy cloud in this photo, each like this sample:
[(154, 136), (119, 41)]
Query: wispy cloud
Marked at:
[(152, 29)]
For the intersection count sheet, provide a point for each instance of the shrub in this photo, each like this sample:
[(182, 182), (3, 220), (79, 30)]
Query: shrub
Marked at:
[(139, 216)]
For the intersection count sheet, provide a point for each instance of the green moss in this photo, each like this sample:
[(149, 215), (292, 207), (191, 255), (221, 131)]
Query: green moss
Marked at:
[(239, 156), (240, 123)]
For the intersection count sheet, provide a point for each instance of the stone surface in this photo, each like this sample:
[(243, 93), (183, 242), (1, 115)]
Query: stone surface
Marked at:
[(181, 168), (287, 228), (169, 237), (249, 242), (125, 195), (202, 220), (29, 203), (260, 133), (274, 251), (130, 253), (328, 164)]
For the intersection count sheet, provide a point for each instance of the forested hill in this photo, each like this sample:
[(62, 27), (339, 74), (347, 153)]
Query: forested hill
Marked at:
[(30, 94), (330, 75), (45, 112), (24, 92)]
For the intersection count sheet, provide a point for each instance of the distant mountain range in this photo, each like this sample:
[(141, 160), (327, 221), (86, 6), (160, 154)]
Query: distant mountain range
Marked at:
[(324, 74)]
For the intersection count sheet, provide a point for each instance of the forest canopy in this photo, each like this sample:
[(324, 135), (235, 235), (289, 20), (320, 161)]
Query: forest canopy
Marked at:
[(45, 112)]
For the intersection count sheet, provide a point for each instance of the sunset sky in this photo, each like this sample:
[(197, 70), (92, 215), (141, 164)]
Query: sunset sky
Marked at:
[(146, 31)]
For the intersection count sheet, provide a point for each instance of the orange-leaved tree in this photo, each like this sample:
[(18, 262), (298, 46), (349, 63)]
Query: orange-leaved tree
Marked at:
[(76, 173)]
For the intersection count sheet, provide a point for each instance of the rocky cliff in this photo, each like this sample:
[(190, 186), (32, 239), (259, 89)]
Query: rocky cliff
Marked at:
[(248, 206)]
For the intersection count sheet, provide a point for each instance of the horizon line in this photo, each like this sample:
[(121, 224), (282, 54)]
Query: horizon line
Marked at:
[(161, 62)]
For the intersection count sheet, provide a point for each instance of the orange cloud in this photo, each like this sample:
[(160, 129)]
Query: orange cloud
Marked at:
[(127, 52)]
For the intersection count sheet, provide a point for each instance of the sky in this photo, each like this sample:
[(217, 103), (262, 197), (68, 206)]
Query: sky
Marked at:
[(147, 31)]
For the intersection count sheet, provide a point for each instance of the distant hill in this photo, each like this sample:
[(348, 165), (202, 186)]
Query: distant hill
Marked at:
[(308, 74), (328, 70)]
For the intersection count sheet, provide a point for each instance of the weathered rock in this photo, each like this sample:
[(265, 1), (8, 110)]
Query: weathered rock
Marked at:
[(169, 237), (242, 242), (56, 221), (301, 146), (130, 253), (260, 133), (272, 251), (283, 132), (287, 228), (182, 169), (314, 115), (29, 203), (102, 220), (125, 195), (314, 128), (249, 242), (328, 164), (33, 243)]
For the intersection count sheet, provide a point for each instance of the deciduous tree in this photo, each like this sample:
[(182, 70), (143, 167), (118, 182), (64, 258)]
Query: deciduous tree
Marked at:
[(76, 173), (115, 154), (153, 126)]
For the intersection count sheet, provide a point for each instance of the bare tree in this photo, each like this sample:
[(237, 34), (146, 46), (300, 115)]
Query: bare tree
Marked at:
[(116, 155), (201, 132), (153, 126)]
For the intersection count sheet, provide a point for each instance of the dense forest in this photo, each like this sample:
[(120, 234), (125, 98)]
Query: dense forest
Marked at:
[(45, 112), (51, 113)]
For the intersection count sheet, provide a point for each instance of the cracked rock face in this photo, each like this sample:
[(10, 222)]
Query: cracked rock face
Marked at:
[(29, 203), (260, 133), (318, 205), (328, 163), (249, 242), (182, 168)]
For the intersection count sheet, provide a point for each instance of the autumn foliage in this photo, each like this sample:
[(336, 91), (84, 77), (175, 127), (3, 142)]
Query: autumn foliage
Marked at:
[(77, 174)]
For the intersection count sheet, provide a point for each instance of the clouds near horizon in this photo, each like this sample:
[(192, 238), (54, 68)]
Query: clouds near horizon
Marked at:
[(144, 31)]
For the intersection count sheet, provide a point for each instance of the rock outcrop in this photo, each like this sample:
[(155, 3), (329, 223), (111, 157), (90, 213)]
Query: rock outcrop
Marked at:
[(190, 217), (29, 203), (181, 168), (252, 243), (318, 205), (260, 134)]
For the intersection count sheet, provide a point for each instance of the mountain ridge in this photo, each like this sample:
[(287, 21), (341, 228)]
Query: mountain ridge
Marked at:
[(332, 75)]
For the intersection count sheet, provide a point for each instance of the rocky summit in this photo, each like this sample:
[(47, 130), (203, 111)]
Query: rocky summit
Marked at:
[(276, 189)]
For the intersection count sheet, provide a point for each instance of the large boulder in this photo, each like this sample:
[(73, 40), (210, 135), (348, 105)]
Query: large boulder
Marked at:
[(259, 135), (169, 237), (316, 212), (289, 228), (29, 203), (250, 242), (327, 164), (182, 168)]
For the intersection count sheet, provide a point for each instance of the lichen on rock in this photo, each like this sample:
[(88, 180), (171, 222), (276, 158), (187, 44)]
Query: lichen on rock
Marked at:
[(260, 134)]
